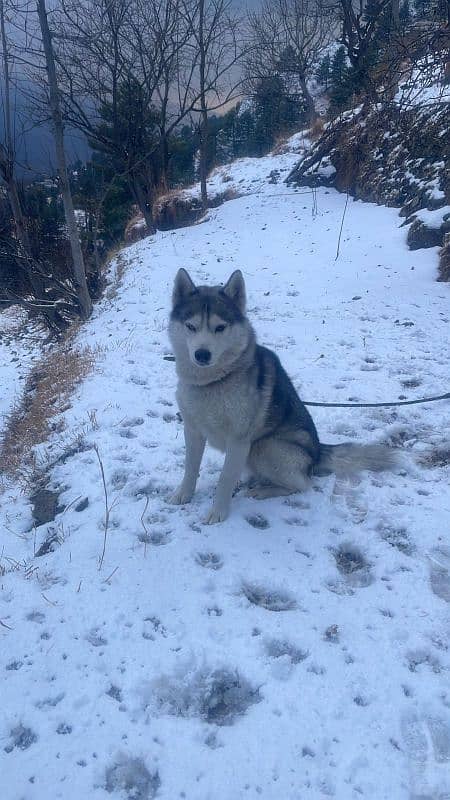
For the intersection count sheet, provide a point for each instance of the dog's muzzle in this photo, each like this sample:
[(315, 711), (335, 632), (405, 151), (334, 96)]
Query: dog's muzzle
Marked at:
[(202, 356)]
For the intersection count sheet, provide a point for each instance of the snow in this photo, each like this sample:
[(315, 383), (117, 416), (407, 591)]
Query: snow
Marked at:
[(19, 349), (250, 175), (433, 218), (425, 85), (300, 650)]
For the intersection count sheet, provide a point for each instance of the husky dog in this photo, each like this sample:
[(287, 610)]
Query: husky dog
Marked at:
[(234, 394)]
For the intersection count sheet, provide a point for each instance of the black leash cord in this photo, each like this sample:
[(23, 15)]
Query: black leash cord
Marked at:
[(379, 405)]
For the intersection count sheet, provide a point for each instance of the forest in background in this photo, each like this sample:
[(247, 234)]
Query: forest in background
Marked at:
[(162, 91)]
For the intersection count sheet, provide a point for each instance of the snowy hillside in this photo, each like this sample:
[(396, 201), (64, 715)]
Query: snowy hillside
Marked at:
[(298, 651)]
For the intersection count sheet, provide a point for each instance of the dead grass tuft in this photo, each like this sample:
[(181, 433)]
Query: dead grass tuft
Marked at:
[(316, 129), (46, 394), (121, 265)]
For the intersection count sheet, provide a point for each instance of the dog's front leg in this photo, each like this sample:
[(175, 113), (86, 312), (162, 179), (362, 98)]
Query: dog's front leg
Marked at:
[(235, 459), (195, 446)]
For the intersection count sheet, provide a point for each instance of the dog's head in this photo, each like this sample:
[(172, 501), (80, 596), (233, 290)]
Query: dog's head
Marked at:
[(208, 323)]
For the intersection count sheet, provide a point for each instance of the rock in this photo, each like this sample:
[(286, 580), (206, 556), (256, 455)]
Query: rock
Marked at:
[(82, 505), (421, 235), (49, 544), (444, 260), (136, 229), (45, 506), (178, 209)]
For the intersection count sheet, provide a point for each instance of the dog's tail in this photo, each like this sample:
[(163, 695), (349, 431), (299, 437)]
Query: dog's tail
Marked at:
[(348, 459)]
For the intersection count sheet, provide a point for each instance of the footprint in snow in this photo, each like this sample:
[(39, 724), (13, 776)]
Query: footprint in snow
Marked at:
[(95, 638), (279, 648), (258, 521), (115, 693), (35, 616), (397, 537), (156, 538), (426, 743), (420, 658), (130, 779), (270, 599), (209, 560), (132, 422), (127, 433), (216, 696), (152, 626), (21, 738), (439, 559), (347, 490), (352, 565)]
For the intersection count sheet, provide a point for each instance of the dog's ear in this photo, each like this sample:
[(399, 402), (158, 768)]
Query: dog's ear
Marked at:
[(182, 287), (235, 289)]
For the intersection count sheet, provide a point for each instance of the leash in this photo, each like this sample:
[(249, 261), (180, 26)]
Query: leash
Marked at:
[(379, 405), (445, 396)]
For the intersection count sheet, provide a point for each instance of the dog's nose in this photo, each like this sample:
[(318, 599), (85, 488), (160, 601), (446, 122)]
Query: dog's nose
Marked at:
[(202, 356)]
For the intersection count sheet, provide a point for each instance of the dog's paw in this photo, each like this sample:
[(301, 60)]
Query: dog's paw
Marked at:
[(180, 496), (216, 515)]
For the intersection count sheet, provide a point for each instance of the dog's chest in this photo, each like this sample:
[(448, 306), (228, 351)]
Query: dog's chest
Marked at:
[(219, 411)]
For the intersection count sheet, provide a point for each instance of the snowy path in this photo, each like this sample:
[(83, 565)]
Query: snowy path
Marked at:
[(299, 651)]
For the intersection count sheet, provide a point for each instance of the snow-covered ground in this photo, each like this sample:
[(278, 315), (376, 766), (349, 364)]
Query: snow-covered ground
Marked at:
[(252, 175), (300, 650), (20, 347), (425, 85)]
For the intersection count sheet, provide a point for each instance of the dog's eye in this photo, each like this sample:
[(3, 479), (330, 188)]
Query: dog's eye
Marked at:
[(191, 327), (220, 328)]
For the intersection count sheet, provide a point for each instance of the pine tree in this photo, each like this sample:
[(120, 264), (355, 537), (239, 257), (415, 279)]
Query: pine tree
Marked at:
[(323, 73), (405, 14), (341, 81)]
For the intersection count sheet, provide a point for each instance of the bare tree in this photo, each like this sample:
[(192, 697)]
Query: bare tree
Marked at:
[(288, 37), (39, 280), (213, 55), (172, 56), (79, 274), (359, 31), (118, 59)]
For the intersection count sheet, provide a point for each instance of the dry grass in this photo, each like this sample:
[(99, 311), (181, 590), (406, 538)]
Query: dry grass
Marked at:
[(280, 145), (46, 394), (121, 265), (316, 129)]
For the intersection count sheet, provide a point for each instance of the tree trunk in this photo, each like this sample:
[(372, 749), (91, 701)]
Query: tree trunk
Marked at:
[(37, 281), (164, 179), (33, 270), (309, 101), (145, 207), (203, 165), (79, 274), (203, 162)]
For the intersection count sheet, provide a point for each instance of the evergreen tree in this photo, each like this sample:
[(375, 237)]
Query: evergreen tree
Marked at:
[(323, 73), (341, 81), (182, 146), (405, 14), (275, 112), (244, 134), (424, 9), (127, 137)]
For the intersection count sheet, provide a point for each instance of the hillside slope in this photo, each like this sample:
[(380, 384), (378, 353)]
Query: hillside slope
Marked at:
[(300, 650), (396, 154)]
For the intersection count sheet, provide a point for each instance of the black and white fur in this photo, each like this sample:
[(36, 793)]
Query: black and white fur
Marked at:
[(234, 394)]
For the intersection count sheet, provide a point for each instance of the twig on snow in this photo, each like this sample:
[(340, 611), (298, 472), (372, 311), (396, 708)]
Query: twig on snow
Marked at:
[(342, 225)]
